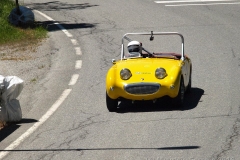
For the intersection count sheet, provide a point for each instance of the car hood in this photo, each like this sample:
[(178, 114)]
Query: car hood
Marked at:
[(144, 68)]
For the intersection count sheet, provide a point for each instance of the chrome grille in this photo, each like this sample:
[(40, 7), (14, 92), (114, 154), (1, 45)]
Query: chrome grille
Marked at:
[(142, 88)]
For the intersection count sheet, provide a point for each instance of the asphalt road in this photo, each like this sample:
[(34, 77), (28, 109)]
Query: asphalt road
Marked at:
[(82, 127)]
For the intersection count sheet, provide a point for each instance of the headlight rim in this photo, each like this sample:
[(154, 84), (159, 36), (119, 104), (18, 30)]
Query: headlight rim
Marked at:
[(128, 72), (164, 73)]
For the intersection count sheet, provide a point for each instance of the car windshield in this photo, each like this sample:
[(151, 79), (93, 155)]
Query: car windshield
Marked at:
[(158, 44)]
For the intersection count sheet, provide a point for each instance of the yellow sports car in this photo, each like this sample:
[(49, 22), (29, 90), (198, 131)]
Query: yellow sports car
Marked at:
[(144, 75)]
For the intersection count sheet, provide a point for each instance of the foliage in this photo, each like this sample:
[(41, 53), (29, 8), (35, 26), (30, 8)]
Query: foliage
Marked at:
[(13, 34)]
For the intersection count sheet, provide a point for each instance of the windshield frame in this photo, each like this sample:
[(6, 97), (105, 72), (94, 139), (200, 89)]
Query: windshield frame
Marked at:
[(151, 38)]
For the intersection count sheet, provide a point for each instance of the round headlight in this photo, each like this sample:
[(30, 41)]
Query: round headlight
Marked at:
[(125, 74), (160, 73)]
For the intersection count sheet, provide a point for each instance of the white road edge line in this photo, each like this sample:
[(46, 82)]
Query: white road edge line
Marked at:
[(78, 51), (56, 23), (43, 119), (207, 4), (193, 1), (73, 79), (74, 42), (78, 64)]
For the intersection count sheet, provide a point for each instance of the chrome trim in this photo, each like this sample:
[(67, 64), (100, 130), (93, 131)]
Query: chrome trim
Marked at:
[(126, 69), (113, 61), (164, 70)]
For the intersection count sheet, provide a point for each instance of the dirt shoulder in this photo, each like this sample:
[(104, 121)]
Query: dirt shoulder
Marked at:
[(28, 61)]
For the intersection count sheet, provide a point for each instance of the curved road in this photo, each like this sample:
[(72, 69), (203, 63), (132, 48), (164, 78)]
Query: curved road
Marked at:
[(82, 127)]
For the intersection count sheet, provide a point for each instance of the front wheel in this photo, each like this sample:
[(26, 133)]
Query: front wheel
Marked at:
[(180, 97), (111, 103), (189, 86)]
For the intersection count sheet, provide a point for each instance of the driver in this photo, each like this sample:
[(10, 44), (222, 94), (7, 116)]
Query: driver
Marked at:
[(135, 49)]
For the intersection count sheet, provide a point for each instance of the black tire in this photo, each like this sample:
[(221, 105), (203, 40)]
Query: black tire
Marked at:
[(188, 90), (111, 104), (179, 100)]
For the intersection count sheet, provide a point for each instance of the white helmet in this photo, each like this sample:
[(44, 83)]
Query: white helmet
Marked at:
[(134, 47)]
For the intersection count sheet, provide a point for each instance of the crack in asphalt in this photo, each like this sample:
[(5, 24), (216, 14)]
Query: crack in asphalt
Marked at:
[(38, 135), (72, 137), (91, 87), (186, 118), (229, 140), (79, 127), (233, 53), (104, 39), (82, 124), (46, 155), (235, 56)]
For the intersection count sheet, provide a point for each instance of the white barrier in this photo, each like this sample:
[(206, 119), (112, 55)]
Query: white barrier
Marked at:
[(10, 89)]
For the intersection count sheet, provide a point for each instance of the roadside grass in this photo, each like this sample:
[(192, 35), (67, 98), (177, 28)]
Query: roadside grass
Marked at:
[(10, 34), (16, 38)]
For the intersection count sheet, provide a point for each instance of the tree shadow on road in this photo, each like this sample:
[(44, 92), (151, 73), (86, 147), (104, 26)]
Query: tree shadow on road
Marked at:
[(163, 104), (52, 26), (57, 6)]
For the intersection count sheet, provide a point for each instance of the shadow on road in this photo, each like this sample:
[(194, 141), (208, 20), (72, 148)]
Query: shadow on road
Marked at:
[(57, 6), (164, 104), (99, 149), (5, 132), (51, 26)]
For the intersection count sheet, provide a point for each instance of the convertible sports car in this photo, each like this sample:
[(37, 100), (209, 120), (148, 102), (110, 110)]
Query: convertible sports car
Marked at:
[(144, 75)]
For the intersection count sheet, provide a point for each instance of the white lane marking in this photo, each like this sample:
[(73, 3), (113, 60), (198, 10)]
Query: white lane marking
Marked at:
[(44, 15), (43, 119), (78, 51), (56, 23), (64, 30), (73, 79), (74, 42), (207, 4), (191, 1), (78, 64)]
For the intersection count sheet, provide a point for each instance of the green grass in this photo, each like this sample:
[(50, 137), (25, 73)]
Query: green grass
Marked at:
[(12, 34)]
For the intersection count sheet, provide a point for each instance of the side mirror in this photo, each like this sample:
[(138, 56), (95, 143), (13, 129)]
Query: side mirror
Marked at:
[(152, 37)]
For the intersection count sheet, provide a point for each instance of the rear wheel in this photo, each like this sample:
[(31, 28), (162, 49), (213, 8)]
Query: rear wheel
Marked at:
[(111, 103), (180, 97)]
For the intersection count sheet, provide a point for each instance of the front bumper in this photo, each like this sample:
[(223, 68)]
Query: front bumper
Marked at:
[(143, 91), (142, 88)]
